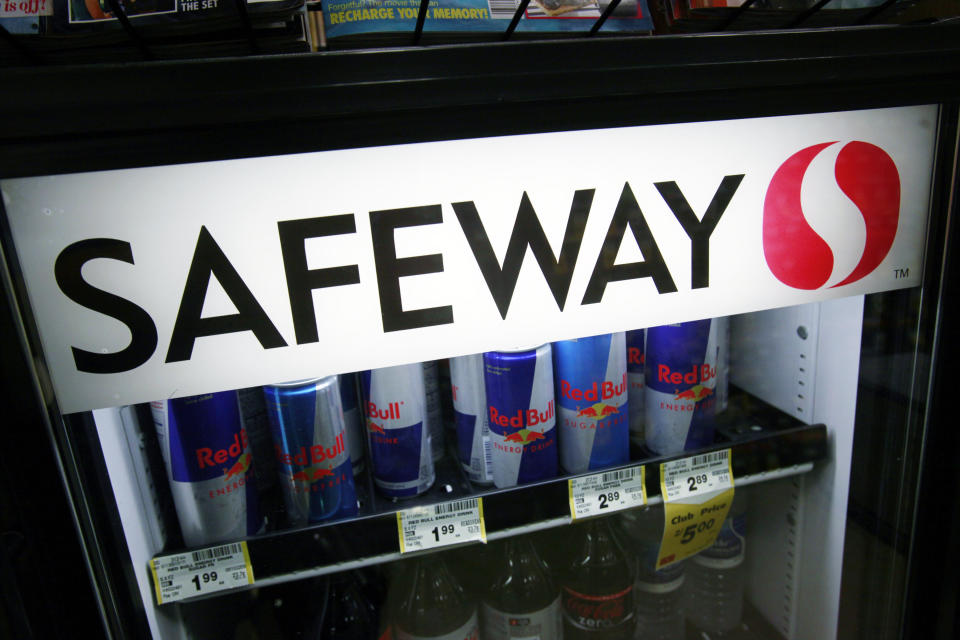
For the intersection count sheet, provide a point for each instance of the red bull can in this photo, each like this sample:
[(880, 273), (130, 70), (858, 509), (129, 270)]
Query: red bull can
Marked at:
[(310, 443), (209, 462), (723, 362), (352, 420), (522, 414), (431, 386), (681, 378), (396, 410), (592, 407), (636, 389), (470, 411)]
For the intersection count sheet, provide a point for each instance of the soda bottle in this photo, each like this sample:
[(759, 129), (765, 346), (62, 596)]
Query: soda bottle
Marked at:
[(597, 597), (348, 614), (522, 601), (658, 592), (433, 605), (715, 576)]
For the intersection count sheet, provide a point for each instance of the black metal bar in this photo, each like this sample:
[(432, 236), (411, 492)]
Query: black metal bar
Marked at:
[(516, 19), (244, 14), (20, 48), (603, 16), (121, 16), (421, 17), (736, 13), (803, 16)]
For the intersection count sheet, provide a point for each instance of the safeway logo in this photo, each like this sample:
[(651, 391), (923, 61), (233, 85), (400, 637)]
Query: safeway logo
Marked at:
[(795, 253)]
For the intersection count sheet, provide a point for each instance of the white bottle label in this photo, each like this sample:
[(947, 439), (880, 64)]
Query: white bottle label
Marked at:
[(536, 625), (468, 631)]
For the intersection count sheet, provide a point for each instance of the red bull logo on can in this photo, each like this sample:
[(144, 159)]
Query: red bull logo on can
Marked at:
[(635, 356), (392, 412), (598, 390), (522, 418), (598, 410), (695, 393), (697, 374), (316, 453), (207, 457)]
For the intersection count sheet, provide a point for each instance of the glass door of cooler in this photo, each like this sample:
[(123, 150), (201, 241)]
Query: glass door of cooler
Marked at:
[(693, 409)]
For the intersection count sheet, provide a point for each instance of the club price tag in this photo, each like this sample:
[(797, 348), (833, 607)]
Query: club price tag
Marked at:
[(194, 573), (602, 493), (697, 494), (440, 525)]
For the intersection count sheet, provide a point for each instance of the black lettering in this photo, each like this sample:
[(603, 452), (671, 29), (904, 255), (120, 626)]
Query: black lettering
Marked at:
[(390, 268), (209, 260), (143, 332), (699, 231), (527, 232), (301, 281), (653, 266)]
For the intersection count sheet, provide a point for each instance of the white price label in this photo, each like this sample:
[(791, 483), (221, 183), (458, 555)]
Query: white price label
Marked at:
[(697, 475), (602, 493), (194, 573), (440, 525)]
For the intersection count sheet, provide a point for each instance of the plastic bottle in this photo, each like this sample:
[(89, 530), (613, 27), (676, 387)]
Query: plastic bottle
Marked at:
[(597, 598), (433, 605), (715, 577), (522, 601)]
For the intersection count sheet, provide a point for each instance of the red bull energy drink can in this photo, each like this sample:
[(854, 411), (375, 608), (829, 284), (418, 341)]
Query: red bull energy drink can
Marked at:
[(352, 420), (723, 362), (636, 389), (398, 432), (310, 443), (431, 386), (209, 463), (470, 412), (592, 408), (681, 378), (522, 414)]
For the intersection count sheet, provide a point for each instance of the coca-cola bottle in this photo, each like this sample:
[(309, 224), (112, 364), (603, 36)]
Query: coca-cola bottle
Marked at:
[(597, 588), (433, 605), (522, 601)]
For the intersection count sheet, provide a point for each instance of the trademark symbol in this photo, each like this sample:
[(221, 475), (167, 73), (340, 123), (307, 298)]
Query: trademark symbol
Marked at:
[(899, 274)]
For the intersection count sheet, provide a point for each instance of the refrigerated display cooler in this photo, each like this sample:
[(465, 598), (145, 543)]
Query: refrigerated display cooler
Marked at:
[(173, 231)]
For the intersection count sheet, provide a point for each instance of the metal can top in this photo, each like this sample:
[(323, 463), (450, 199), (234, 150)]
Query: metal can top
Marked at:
[(305, 382), (520, 349)]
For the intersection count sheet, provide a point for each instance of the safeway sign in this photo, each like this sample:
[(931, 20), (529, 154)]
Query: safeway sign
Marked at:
[(159, 282)]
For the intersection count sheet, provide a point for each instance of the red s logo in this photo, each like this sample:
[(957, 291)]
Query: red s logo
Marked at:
[(795, 253)]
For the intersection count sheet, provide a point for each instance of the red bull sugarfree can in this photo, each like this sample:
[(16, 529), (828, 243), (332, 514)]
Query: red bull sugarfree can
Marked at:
[(209, 463), (470, 412), (592, 408), (522, 414), (311, 446), (398, 430), (681, 378)]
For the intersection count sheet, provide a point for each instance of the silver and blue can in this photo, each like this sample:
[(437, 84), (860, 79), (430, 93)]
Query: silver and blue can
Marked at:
[(470, 413), (395, 406), (310, 443), (681, 378), (352, 420), (431, 387), (522, 413), (636, 389), (209, 463), (592, 408)]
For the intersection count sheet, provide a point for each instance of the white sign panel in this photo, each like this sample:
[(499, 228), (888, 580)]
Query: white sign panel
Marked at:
[(160, 282)]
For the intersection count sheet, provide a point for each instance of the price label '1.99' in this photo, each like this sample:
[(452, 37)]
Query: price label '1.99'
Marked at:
[(195, 573), (697, 494), (441, 525)]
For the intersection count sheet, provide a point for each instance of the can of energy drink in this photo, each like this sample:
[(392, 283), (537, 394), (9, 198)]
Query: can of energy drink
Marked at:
[(592, 409), (352, 420), (209, 463), (635, 384), (723, 362), (470, 411), (310, 441), (681, 377), (431, 387), (396, 410), (522, 414)]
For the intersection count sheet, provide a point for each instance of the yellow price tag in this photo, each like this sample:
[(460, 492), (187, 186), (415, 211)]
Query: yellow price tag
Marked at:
[(697, 494)]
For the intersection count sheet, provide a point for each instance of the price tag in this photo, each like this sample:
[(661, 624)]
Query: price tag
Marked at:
[(602, 493), (697, 494), (194, 573), (441, 525)]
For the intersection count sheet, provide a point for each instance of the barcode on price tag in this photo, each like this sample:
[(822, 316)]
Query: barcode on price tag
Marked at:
[(603, 493), (696, 475), (194, 573), (440, 525)]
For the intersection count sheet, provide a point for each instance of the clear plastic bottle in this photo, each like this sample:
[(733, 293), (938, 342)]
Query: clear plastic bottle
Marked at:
[(715, 577), (433, 605)]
